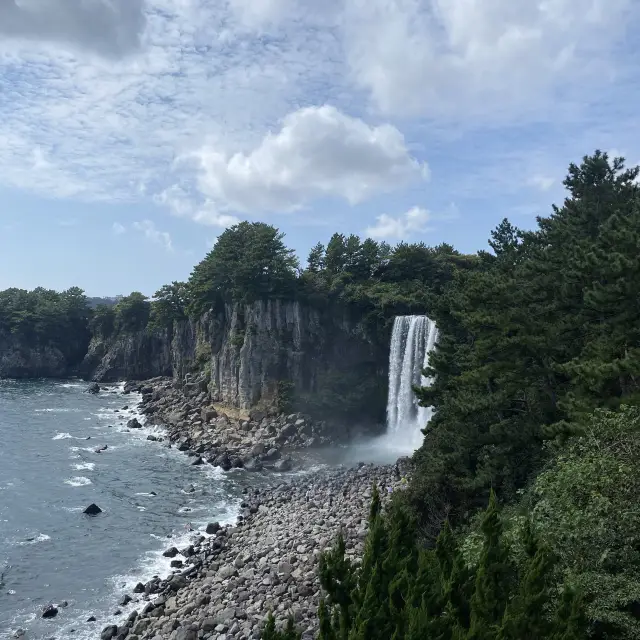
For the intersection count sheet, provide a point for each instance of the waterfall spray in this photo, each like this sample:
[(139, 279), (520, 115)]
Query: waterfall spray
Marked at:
[(412, 341)]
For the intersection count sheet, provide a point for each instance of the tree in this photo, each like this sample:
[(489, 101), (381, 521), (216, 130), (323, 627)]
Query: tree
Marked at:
[(169, 304), (248, 262), (132, 312)]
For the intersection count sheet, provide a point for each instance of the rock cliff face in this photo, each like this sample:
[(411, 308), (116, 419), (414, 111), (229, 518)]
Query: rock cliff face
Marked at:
[(249, 353), (21, 360)]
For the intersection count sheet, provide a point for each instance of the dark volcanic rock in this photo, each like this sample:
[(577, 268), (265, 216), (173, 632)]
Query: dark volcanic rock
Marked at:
[(93, 510), (134, 424), (93, 388), (213, 527), (50, 611), (109, 632), (172, 552)]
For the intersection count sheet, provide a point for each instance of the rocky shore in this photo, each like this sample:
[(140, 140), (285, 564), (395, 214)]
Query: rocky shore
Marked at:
[(229, 579), (224, 437)]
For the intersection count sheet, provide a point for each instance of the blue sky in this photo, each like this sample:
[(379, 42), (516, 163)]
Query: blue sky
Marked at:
[(132, 132)]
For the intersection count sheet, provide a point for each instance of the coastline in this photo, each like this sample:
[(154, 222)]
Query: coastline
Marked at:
[(226, 581)]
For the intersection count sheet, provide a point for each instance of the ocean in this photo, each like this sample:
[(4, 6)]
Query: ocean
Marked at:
[(50, 551)]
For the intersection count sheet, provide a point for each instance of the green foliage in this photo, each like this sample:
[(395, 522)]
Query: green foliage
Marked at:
[(103, 321), (236, 338), (169, 305), (586, 506), (132, 312), (402, 591), (270, 631), (248, 262), (532, 337), (47, 318)]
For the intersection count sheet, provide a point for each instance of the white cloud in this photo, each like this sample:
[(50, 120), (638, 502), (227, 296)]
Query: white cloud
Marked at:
[(118, 229), (489, 59), (318, 152), (181, 204), (108, 27), (541, 182), (161, 238), (414, 221)]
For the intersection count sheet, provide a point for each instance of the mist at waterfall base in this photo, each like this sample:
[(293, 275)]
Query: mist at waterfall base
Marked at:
[(412, 340)]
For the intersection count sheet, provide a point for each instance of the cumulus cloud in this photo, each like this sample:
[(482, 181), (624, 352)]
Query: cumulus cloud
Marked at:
[(183, 205), (402, 227), (318, 152), (469, 58), (148, 228), (118, 229), (107, 27)]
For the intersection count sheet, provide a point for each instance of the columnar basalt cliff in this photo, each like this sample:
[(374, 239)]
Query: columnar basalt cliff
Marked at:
[(253, 355)]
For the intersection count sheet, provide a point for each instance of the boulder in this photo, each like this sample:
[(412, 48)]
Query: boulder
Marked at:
[(93, 509), (185, 633), (125, 600), (50, 611), (93, 388), (213, 527), (134, 424), (197, 461), (208, 414), (286, 464), (172, 552), (253, 464), (139, 588), (109, 632), (223, 461), (272, 455)]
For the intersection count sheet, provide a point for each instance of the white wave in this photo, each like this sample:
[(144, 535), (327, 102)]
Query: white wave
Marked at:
[(85, 466), (73, 385), (89, 449), (58, 410), (78, 481), (62, 436), (41, 537)]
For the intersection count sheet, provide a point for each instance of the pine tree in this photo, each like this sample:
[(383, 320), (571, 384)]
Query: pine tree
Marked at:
[(493, 579), (525, 615), (570, 622)]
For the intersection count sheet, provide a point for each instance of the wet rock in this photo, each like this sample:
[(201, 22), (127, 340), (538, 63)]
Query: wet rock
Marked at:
[(125, 600), (139, 588), (109, 632), (253, 464), (197, 461), (100, 449), (93, 509), (93, 388), (171, 552), (134, 424), (50, 611), (286, 464), (91, 619), (212, 528)]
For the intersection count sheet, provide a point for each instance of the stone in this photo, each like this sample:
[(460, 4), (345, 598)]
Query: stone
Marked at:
[(213, 528), (253, 464), (93, 388), (125, 600), (286, 464), (186, 634), (134, 424), (197, 461), (50, 611), (109, 632), (171, 552), (93, 510)]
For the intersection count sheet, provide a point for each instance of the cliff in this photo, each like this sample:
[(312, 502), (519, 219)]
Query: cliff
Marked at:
[(24, 357), (258, 355)]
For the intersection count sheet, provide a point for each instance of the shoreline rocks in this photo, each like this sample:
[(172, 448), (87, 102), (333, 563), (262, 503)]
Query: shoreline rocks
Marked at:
[(223, 437), (227, 583)]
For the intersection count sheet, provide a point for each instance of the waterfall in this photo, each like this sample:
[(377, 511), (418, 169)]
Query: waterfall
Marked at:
[(412, 341)]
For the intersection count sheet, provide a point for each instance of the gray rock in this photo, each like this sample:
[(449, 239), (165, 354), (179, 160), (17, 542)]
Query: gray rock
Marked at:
[(109, 632)]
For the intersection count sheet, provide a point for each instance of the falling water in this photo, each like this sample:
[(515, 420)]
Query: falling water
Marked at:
[(412, 341)]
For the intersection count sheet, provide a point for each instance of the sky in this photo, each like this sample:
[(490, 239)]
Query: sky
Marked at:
[(133, 132)]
